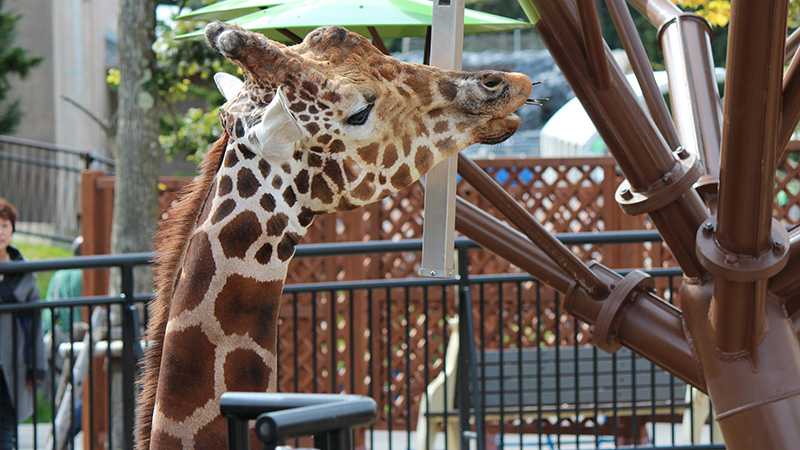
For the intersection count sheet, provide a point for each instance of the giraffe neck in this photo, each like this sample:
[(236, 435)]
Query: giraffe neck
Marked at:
[(221, 332)]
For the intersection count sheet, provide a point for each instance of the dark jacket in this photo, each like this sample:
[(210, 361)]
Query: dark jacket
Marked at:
[(20, 339)]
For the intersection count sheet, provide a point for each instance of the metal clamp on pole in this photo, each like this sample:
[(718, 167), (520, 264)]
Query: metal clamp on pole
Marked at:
[(672, 185), (604, 330), (438, 228), (742, 268)]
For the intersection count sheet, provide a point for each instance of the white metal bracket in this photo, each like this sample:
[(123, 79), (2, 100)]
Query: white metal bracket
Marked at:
[(438, 228)]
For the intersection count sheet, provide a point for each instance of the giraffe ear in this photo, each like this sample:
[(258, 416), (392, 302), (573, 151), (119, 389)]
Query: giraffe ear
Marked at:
[(278, 130), (228, 85)]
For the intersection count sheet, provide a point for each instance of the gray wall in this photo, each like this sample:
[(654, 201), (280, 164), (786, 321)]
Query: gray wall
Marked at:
[(72, 36)]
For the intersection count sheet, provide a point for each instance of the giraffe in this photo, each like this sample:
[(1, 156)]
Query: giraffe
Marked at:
[(325, 125)]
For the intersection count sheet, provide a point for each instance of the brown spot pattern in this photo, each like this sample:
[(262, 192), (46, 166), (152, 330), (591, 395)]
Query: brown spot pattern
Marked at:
[(324, 139), (320, 189), (223, 210), (264, 168), (312, 128), (350, 169), (305, 217), (161, 439), (264, 254), (246, 152), (230, 158), (277, 182), (239, 234), (267, 202), (447, 144), (441, 126), (177, 398), (276, 224), (423, 159), (389, 155), (402, 177), (199, 268), (406, 145), (225, 185), (301, 181), (248, 306), (245, 371), (366, 188), (314, 160), (448, 89), (336, 146), (333, 171), (286, 246), (246, 183), (369, 153), (213, 435), (289, 196)]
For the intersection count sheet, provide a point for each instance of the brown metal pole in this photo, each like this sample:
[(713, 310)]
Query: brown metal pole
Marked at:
[(646, 324), (513, 211), (744, 250), (643, 71), (593, 42), (790, 114), (757, 399), (686, 45), (509, 244), (660, 181)]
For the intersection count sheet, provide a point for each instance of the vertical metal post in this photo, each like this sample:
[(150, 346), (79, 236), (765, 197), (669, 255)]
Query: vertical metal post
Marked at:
[(438, 232), (467, 364), (128, 355), (237, 433)]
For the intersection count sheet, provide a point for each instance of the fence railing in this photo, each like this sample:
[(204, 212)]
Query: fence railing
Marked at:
[(486, 360), (43, 180)]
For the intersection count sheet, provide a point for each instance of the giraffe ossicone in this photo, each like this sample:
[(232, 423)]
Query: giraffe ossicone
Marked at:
[(325, 125)]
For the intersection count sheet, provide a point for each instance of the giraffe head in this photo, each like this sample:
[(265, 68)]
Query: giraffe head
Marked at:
[(351, 124)]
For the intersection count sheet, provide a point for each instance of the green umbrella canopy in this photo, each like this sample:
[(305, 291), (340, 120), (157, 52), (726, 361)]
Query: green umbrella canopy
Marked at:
[(229, 9), (390, 18)]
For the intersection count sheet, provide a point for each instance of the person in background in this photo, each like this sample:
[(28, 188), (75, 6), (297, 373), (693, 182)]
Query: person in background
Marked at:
[(62, 324), (22, 359), (64, 284)]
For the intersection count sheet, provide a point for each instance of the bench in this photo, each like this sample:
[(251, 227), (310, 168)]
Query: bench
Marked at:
[(510, 385)]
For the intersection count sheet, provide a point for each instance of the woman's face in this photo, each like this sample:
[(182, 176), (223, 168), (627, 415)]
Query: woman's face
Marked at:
[(6, 231)]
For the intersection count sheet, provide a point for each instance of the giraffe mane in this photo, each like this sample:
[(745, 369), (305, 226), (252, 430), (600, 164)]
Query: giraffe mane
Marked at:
[(170, 243)]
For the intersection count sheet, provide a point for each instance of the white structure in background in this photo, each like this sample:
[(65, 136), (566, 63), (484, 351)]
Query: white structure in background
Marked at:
[(77, 41), (570, 131)]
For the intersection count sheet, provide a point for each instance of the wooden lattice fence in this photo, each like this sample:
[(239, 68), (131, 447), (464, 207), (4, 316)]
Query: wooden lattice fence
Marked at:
[(388, 343)]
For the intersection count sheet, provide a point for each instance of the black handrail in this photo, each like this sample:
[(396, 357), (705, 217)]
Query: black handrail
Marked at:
[(323, 249), (329, 418)]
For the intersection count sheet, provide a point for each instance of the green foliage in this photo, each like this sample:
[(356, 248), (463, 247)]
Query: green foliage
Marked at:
[(184, 74), (13, 61)]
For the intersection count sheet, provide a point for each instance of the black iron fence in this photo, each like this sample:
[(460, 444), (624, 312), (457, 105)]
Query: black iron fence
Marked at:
[(46, 179), (441, 374)]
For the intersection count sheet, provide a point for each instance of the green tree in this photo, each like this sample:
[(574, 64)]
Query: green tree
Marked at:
[(13, 61)]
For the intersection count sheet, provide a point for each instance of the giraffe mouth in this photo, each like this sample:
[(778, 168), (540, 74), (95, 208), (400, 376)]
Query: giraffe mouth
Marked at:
[(498, 130)]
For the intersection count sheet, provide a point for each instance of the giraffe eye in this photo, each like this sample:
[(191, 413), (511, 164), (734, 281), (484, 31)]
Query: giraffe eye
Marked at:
[(361, 116)]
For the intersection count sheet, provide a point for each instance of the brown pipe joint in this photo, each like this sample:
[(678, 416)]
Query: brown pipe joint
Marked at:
[(604, 333), (738, 267), (672, 185), (678, 18)]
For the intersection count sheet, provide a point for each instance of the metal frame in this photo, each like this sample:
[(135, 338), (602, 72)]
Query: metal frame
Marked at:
[(438, 227), (733, 338)]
